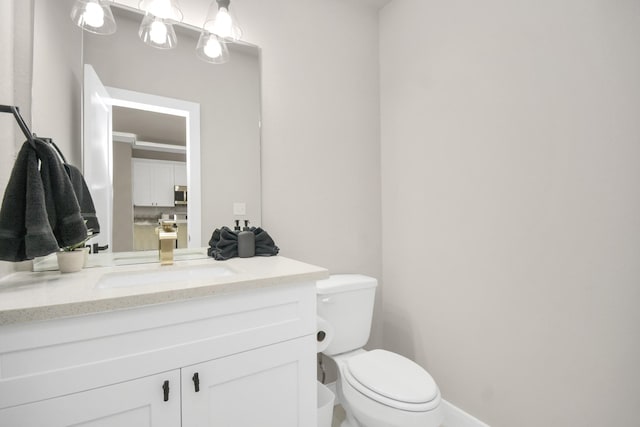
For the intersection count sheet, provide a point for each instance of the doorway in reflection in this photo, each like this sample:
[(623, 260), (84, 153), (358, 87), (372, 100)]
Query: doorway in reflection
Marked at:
[(149, 162)]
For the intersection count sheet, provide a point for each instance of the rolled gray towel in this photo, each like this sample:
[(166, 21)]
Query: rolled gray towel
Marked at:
[(87, 208), (265, 246), (223, 244)]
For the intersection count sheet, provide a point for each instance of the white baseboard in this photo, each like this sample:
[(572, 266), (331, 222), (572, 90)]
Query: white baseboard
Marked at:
[(456, 417)]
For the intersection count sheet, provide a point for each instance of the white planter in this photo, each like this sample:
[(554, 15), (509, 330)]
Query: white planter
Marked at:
[(70, 261)]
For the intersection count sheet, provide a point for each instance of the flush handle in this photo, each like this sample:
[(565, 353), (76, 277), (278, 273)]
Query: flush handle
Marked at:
[(165, 389), (327, 300), (196, 382)]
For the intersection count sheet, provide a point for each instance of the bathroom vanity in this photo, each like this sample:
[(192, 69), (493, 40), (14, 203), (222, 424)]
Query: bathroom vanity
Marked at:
[(199, 343)]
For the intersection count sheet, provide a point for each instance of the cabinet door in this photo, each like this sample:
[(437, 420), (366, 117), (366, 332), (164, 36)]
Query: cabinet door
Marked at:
[(152, 183), (272, 386), (163, 184), (142, 177), (130, 404)]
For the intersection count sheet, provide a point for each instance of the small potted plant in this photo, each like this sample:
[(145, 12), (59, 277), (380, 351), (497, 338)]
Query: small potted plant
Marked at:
[(72, 258)]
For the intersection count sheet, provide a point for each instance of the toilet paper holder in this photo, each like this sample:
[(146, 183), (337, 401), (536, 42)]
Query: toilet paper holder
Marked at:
[(324, 334)]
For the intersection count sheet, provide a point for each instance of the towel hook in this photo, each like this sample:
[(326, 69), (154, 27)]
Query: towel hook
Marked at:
[(23, 126)]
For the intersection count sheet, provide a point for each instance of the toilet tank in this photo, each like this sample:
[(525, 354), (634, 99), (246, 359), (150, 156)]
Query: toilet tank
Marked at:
[(346, 301)]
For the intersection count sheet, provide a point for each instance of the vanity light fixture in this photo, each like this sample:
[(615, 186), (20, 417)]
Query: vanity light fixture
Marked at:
[(221, 22), (94, 16), (220, 26)]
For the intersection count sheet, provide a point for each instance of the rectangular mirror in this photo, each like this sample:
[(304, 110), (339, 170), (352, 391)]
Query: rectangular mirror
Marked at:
[(222, 168)]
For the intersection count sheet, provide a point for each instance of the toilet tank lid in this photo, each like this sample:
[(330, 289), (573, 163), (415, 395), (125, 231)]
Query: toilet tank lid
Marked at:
[(344, 283)]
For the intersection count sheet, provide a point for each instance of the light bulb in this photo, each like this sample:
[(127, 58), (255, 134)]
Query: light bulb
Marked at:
[(93, 15), (158, 32), (213, 49)]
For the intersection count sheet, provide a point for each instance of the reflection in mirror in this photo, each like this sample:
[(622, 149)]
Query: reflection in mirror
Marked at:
[(228, 96), (160, 138)]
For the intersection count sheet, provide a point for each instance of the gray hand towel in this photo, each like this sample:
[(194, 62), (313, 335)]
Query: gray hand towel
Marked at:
[(62, 205), (265, 246), (25, 232), (87, 209)]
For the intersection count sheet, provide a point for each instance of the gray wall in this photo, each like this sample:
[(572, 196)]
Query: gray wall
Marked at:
[(511, 230)]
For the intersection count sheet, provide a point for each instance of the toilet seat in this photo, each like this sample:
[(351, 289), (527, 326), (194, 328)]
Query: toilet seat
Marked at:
[(404, 385)]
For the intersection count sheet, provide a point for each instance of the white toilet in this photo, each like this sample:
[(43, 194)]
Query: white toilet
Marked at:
[(377, 388)]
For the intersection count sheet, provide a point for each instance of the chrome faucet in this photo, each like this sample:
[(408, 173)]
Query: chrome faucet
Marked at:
[(167, 238)]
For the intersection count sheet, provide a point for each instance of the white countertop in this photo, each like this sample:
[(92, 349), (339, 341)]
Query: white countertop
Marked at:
[(35, 296)]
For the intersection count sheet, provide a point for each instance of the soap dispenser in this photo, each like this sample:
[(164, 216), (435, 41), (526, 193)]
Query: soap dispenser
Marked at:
[(246, 242)]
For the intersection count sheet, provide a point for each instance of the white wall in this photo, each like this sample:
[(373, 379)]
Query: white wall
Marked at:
[(57, 78), (511, 209), (15, 88), (321, 140)]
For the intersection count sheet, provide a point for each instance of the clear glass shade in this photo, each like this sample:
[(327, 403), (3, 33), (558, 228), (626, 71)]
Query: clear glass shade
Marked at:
[(222, 22), (212, 49), (164, 9), (157, 32), (94, 16)]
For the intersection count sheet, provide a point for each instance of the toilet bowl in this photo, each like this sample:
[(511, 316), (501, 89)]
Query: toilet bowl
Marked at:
[(377, 388), (383, 389)]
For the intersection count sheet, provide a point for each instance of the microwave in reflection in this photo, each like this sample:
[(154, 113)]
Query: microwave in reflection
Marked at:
[(180, 195)]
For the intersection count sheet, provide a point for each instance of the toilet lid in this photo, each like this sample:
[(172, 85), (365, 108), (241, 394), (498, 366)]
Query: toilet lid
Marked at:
[(393, 377)]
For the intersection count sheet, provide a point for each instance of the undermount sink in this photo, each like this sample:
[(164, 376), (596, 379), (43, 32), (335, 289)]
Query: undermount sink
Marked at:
[(162, 275)]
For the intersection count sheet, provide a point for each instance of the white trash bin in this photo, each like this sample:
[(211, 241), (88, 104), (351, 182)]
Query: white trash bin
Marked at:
[(326, 399)]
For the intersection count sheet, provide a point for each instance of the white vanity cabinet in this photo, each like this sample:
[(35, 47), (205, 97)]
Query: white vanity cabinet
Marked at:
[(244, 358)]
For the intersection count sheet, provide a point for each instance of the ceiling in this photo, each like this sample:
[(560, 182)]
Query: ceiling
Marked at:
[(149, 126)]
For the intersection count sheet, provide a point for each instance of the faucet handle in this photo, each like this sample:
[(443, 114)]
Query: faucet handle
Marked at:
[(168, 225)]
